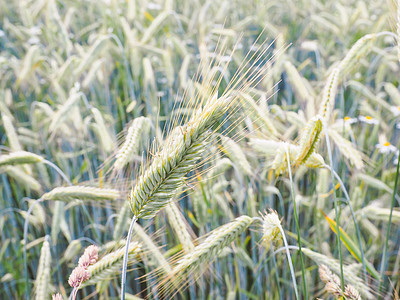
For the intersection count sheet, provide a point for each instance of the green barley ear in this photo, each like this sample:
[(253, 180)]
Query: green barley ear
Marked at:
[(181, 151), (70, 193), (347, 149), (11, 133), (42, 281), (203, 254), (102, 131), (299, 83), (19, 158), (328, 94), (130, 147), (179, 225), (309, 140), (350, 273), (236, 154), (356, 51), (22, 177)]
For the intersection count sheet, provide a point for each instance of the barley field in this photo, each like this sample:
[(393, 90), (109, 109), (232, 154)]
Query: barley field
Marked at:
[(199, 149)]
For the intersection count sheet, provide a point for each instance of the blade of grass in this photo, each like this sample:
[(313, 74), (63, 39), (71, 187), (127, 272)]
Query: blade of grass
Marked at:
[(385, 247), (350, 245)]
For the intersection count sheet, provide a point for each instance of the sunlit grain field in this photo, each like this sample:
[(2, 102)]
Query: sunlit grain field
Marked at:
[(199, 149)]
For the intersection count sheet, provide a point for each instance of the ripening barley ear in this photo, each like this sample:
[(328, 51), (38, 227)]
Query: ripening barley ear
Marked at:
[(236, 154), (179, 225), (347, 149), (332, 285), (23, 178), (309, 139), (11, 133), (19, 157), (193, 263), (328, 95), (70, 193), (179, 155), (261, 116), (273, 235), (101, 130), (130, 147), (350, 272), (280, 162), (43, 274)]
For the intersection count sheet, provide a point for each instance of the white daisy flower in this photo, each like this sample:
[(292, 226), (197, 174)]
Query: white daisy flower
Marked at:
[(349, 120), (395, 110), (386, 148), (368, 120)]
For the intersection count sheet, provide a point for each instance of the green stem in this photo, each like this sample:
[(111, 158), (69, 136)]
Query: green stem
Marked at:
[(297, 224), (328, 145), (385, 248), (125, 262)]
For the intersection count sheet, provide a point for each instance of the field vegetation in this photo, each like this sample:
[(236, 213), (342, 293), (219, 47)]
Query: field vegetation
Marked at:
[(199, 149)]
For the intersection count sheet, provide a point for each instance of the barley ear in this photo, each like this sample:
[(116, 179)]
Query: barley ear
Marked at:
[(328, 94), (203, 254), (178, 224), (42, 281), (130, 147), (181, 151), (309, 140), (19, 158)]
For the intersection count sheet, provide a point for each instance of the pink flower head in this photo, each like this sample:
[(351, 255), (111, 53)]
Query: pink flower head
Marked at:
[(78, 275), (56, 297), (93, 254), (84, 261)]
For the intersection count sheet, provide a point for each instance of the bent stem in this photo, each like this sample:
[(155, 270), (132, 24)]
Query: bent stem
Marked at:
[(297, 224), (125, 262), (58, 170)]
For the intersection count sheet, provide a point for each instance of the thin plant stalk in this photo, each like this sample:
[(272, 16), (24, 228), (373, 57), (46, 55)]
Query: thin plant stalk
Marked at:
[(354, 219), (297, 224), (328, 145), (291, 264), (385, 247), (125, 262)]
